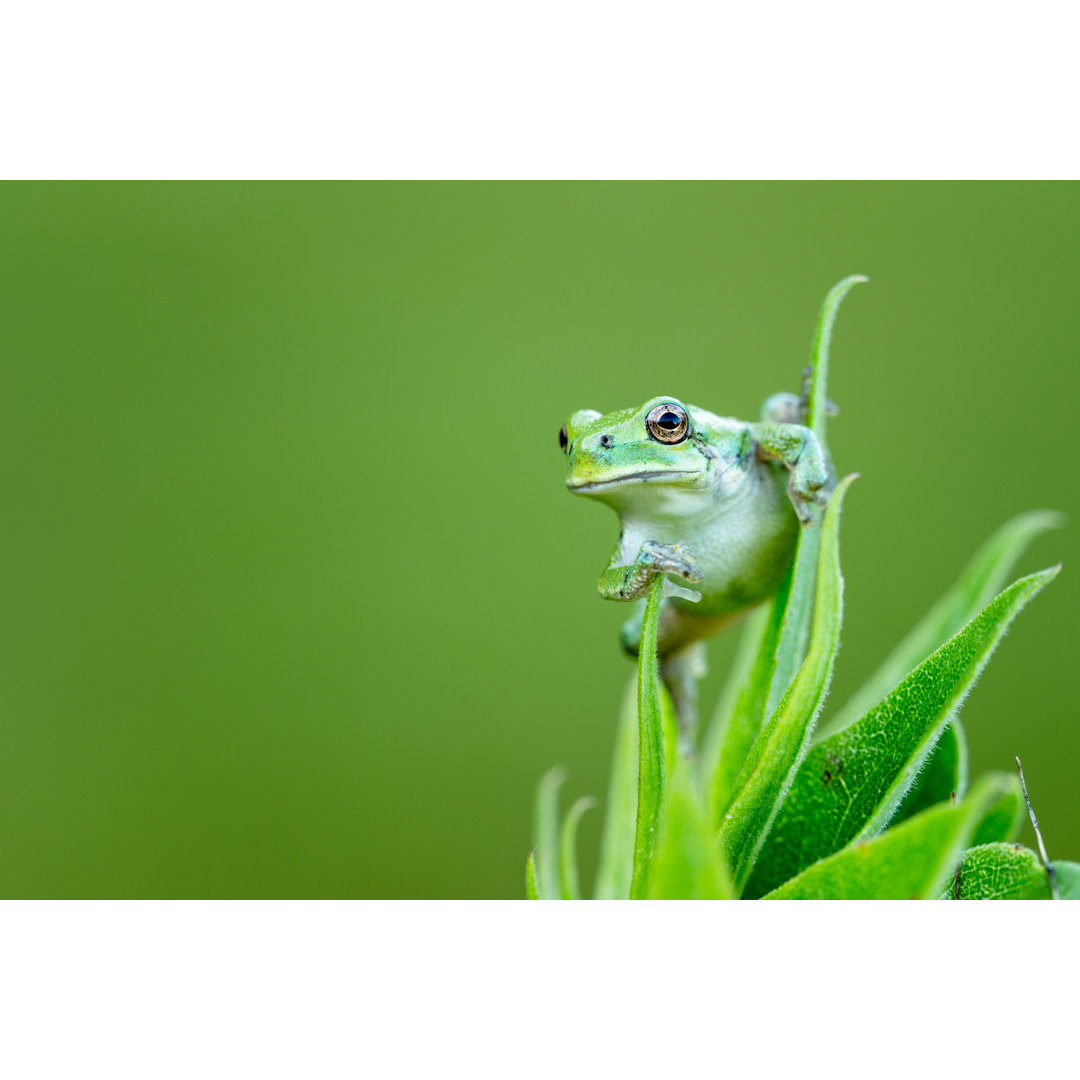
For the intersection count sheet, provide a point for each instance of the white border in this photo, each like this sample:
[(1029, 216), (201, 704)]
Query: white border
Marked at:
[(415, 989), (527, 90)]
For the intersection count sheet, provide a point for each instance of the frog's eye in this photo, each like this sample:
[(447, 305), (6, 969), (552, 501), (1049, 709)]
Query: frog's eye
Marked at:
[(668, 423), (564, 439)]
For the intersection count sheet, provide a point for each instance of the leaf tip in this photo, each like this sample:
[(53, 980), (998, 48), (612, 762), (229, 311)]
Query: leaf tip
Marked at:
[(555, 777), (841, 489), (1044, 577)]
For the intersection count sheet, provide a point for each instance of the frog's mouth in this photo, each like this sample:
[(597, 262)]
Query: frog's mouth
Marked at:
[(631, 478)]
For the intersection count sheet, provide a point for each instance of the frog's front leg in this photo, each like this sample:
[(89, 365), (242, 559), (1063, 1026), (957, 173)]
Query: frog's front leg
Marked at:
[(622, 581), (797, 448)]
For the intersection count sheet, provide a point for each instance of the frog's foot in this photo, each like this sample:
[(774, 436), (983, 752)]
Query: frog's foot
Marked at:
[(673, 559), (632, 582), (791, 408), (805, 493)]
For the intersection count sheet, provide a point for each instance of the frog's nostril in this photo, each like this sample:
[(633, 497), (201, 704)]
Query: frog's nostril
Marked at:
[(606, 441)]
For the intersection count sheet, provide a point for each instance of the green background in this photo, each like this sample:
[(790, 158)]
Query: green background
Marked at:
[(293, 600)]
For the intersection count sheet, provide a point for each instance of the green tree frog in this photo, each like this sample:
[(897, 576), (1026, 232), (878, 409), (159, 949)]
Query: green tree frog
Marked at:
[(711, 502)]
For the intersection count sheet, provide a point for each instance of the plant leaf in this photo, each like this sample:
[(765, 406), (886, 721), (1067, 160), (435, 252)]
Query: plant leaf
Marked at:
[(687, 864), (819, 354), (944, 775), (651, 749), (571, 885), (1001, 823), (781, 630), (779, 748), (910, 861), (999, 872), (737, 719), (1068, 880), (531, 892), (616, 866), (792, 643), (850, 785), (546, 833), (983, 577)]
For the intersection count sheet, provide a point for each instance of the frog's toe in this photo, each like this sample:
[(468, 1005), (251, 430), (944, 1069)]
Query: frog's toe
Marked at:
[(685, 594), (680, 560), (802, 509)]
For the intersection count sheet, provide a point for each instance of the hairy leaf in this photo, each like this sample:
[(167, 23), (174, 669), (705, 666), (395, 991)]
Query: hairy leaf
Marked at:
[(687, 865), (981, 580), (792, 643), (571, 885), (851, 784), (780, 631), (531, 891), (1068, 880), (776, 753), (650, 788), (616, 867), (546, 830), (999, 872), (943, 777), (1003, 820), (739, 713), (911, 861)]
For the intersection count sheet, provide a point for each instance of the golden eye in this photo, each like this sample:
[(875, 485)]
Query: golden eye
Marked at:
[(668, 423), (564, 439)]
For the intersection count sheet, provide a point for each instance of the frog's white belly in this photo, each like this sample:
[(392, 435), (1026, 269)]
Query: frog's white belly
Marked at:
[(744, 542)]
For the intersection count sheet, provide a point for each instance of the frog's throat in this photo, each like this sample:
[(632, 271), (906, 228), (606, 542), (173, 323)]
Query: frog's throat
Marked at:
[(637, 478)]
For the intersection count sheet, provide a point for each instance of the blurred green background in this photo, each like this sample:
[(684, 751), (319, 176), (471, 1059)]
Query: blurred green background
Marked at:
[(294, 602)]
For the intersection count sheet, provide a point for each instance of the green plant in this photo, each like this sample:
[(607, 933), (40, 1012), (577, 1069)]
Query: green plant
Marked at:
[(876, 806)]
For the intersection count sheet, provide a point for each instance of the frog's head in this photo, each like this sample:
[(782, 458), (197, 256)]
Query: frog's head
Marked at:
[(635, 456)]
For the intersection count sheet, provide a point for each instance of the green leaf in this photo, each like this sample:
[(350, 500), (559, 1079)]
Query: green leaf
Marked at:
[(983, 577), (944, 775), (616, 866), (687, 864), (819, 354), (571, 886), (851, 784), (1003, 820), (791, 647), (911, 861), (780, 631), (651, 750), (1068, 880), (776, 753), (546, 833), (531, 892), (999, 872), (737, 720)]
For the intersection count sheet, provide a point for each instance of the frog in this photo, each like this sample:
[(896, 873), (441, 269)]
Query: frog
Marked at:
[(712, 503)]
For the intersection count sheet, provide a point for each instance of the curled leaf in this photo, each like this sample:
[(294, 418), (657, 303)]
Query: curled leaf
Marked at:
[(546, 832), (571, 885), (779, 748)]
